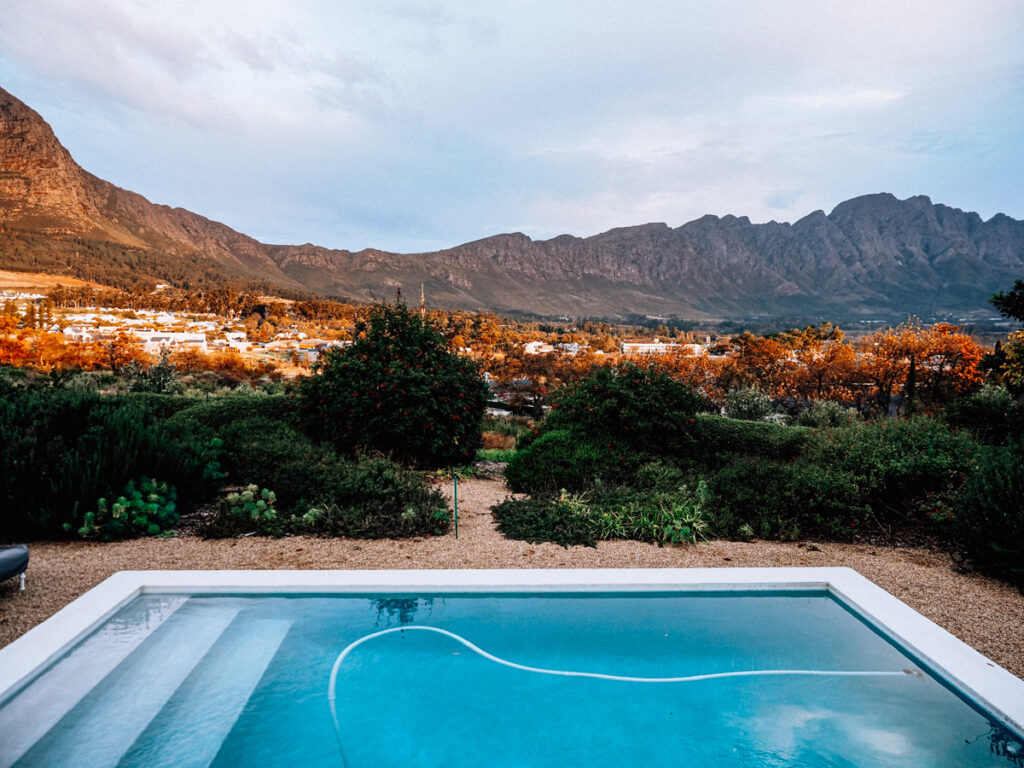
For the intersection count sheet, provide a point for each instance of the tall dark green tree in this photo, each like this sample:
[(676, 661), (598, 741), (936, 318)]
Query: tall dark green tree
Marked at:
[(397, 390), (1011, 303)]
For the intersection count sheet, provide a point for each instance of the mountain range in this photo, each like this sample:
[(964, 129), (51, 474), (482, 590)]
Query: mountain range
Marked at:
[(872, 256)]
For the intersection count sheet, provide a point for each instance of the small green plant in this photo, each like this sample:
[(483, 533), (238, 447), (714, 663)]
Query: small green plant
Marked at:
[(503, 455), (254, 508), (686, 519), (146, 509)]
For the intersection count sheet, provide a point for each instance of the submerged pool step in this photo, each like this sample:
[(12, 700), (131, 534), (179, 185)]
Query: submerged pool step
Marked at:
[(108, 720), (189, 730), (44, 702)]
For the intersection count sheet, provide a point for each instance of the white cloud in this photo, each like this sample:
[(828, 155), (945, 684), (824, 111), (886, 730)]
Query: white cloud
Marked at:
[(401, 124)]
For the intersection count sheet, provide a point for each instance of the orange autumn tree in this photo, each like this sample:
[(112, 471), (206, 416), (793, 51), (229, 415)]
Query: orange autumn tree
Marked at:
[(925, 367), (758, 363), (824, 372), (700, 372)]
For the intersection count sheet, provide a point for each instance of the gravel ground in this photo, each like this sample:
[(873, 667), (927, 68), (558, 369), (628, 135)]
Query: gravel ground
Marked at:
[(985, 613)]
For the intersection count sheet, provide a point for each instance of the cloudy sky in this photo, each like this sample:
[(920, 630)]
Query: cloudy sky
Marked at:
[(413, 126)]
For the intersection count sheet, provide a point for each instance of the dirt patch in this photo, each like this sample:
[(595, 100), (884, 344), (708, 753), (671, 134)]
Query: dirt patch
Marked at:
[(497, 440), (985, 613), (25, 281)]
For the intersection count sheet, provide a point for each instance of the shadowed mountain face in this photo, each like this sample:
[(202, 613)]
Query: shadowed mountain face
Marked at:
[(872, 256)]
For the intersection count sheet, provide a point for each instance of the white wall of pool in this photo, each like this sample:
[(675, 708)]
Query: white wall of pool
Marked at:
[(991, 686)]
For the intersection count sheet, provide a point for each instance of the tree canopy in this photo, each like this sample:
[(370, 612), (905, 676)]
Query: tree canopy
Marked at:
[(1011, 303), (397, 390)]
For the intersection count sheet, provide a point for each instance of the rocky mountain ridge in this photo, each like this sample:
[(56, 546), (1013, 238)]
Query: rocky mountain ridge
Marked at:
[(874, 255)]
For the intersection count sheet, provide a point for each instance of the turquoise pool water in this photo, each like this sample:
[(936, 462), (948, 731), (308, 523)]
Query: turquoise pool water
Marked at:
[(613, 679)]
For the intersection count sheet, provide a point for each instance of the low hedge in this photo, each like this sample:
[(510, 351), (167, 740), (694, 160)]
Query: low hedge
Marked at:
[(756, 497), (365, 498), (898, 465), (720, 440)]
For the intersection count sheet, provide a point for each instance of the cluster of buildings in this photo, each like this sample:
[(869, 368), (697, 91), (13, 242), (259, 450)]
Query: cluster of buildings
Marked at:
[(628, 348), (156, 331)]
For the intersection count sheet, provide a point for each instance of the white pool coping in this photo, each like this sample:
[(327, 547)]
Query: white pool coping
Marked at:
[(991, 686)]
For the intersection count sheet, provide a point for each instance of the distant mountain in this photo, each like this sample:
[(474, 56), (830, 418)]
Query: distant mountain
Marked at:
[(871, 256)]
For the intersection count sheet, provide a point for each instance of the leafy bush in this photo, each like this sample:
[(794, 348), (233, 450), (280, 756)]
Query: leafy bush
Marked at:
[(250, 510), (161, 378), (777, 500), (659, 477), (644, 411), (989, 516), (219, 412), (664, 518), (827, 413), (897, 465), (560, 460), (61, 450), (146, 510), (991, 414), (376, 498), (603, 428), (396, 390), (747, 404)]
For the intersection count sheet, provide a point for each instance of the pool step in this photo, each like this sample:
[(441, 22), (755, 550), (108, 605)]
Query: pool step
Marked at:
[(45, 701), (189, 730), (108, 720)]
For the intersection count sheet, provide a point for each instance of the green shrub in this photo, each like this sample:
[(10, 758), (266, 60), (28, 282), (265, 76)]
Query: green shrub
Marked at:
[(827, 413), (562, 519), (991, 414), (988, 519), (148, 509), (219, 412), (897, 464), (603, 428), (161, 377), (679, 517), (644, 411), (375, 498), (399, 391), (776, 500), (720, 440), (250, 510), (560, 460), (659, 477), (747, 404), (257, 450), (61, 450)]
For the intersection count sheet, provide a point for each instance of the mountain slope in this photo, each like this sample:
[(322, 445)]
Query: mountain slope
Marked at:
[(60, 214), (871, 256)]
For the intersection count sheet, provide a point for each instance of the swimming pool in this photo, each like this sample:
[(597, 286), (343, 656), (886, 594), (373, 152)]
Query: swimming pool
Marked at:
[(752, 667)]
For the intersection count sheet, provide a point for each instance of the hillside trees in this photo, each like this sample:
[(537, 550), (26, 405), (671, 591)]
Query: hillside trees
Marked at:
[(397, 390)]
